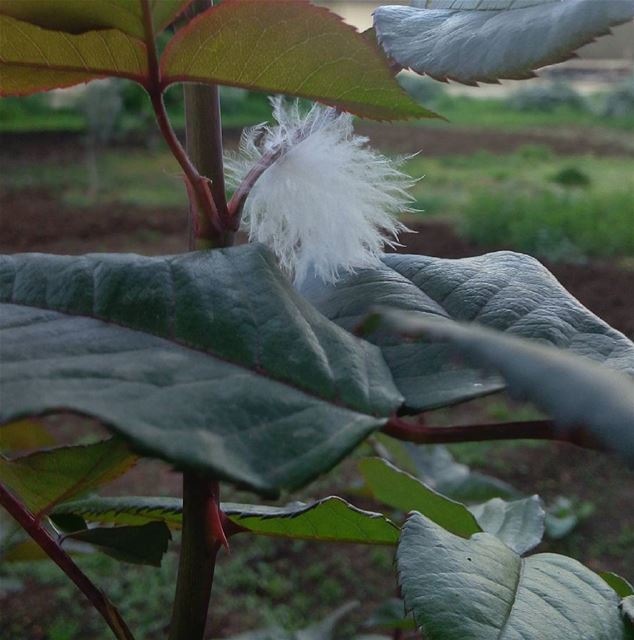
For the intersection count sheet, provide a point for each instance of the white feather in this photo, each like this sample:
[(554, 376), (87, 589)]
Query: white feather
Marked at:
[(327, 205)]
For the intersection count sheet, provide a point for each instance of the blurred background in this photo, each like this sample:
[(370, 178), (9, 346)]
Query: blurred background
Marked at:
[(544, 166)]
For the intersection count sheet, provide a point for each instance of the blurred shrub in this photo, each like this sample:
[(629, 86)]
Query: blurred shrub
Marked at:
[(620, 101), (556, 226), (423, 90), (547, 97), (571, 177), (539, 152)]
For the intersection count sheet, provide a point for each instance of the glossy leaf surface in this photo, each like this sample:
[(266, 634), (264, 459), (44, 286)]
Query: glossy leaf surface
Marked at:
[(330, 519), (78, 16), (33, 59), (289, 47), (479, 589), (484, 40), (583, 398), (45, 478), (210, 360), (506, 291)]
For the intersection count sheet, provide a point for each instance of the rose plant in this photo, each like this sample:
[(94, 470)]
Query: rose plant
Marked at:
[(263, 365)]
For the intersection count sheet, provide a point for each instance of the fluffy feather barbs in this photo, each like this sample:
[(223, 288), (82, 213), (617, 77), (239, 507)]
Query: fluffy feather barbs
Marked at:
[(327, 202)]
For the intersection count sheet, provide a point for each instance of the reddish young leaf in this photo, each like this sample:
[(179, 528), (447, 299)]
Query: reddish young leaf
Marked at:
[(33, 59), (78, 16), (290, 47)]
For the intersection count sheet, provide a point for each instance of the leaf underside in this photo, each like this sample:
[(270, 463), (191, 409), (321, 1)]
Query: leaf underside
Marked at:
[(582, 397), (473, 41), (209, 360), (506, 291), (33, 59), (78, 16), (288, 47), (145, 544), (478, 589), (48, 477)]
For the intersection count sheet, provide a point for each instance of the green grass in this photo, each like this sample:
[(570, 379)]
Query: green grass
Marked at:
[(553, 224), (517, 201), (493, 113)]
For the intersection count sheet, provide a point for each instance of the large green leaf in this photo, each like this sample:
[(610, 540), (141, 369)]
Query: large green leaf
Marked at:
[(33, 59), (209, 360), (518, 524), (289, 47), (506, 291), (145, 544), (331, 519), (584, 399), (46, 478), (483, 40), (479, 589), (78, 16)]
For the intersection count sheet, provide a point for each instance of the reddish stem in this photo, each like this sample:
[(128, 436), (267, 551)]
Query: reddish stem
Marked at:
[(50, 545), (208, 220), (236, 204), (422, 434)]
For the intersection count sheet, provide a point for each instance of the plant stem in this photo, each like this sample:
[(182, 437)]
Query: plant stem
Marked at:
[(208, 223), (199, 547), (422, 434), (203, 531), (50, 545), (203, 126)]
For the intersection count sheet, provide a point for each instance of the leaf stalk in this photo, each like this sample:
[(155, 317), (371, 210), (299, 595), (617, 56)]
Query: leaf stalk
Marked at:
[(52, 548)]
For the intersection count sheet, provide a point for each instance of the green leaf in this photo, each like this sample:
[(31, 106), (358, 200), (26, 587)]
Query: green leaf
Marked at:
[(582, 397), (78, 16), (33, 59), (620, 585), (484, 40), (24, 434), (145, 544), (46, 478), (209, 360), (289, 47), (479, 589), (506, 291), (126, 510), (438, 469), (402, 491), (519, 524), (330, 519)]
